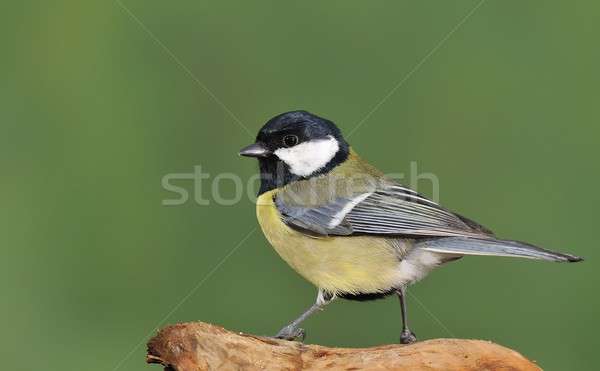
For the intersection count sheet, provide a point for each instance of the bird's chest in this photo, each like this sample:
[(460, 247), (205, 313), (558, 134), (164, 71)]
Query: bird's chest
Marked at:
[(337, 264), (299, 251)]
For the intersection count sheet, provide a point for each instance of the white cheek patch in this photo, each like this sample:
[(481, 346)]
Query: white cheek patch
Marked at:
[(307, 158)]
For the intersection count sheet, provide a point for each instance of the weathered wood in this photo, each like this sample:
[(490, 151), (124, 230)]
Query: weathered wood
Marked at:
[(202, 346)]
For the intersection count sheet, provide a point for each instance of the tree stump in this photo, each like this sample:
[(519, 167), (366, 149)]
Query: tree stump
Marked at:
[(202, 346)]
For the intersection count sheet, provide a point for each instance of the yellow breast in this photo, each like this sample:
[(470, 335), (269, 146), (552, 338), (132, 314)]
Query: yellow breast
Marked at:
[(337, 264)]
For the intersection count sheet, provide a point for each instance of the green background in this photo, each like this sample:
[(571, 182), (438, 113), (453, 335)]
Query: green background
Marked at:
[(95, 111)]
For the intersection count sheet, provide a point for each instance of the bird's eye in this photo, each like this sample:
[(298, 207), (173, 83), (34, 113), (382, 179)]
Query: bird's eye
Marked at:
[(290, 140)]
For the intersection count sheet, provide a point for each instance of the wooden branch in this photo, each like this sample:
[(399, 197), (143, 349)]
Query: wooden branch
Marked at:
[(202, 346)]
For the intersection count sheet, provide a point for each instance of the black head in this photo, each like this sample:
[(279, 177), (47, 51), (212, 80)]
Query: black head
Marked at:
[(296, 145)]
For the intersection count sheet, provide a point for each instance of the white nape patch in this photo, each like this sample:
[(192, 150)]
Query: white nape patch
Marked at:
[(340, 215), (307, 158)]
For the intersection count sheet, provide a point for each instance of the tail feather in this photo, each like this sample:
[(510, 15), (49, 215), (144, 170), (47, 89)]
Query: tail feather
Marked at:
[(493, 247)]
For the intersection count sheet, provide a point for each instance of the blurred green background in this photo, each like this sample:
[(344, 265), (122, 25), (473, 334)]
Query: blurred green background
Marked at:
[(95, 111)]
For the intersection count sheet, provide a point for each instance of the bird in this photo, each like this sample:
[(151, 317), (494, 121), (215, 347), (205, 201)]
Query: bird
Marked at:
[(348, 229)]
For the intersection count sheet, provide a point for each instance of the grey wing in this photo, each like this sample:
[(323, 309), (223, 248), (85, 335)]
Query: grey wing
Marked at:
[(317, 220), (391, 210), (396, 210)]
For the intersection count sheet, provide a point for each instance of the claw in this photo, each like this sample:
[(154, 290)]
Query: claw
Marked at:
[(291, 333), (407, 337)]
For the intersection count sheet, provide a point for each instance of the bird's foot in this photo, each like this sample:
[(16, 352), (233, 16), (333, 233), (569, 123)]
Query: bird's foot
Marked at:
[(291, 333), (407, 337)]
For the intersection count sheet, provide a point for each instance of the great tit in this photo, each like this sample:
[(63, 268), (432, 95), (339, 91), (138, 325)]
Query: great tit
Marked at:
[(348, 229)]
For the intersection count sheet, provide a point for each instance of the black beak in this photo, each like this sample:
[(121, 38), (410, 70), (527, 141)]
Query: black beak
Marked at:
[(255, 150)]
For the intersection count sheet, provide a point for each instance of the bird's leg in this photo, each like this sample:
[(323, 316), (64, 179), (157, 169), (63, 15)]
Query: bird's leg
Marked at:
[(292, 331), (406, 336)]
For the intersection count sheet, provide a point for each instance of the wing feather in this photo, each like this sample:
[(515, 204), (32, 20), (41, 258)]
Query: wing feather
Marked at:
[(390, 210)]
